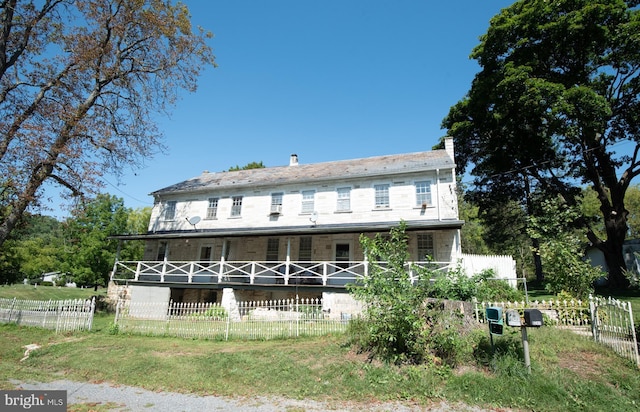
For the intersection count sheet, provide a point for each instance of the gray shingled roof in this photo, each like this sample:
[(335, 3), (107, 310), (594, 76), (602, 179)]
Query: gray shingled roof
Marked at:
[(318, 172)]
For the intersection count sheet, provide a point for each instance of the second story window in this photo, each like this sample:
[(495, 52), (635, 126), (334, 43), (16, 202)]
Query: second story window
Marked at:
[(382, 196), (170, 210), (212, 209), (236, 206), (308, 200), (423, 193), (344, 199), (276, 203)]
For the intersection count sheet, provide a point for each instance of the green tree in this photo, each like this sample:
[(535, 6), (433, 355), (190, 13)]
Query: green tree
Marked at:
[(36, 247), (89, 230), (248, 166), (80, 82), (590, 206), (559, 88), (137, 222), (392, 302), (563, 254)]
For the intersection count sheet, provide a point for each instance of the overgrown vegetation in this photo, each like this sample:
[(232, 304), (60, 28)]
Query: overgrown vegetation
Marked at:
[(565, 266), (400, 323)]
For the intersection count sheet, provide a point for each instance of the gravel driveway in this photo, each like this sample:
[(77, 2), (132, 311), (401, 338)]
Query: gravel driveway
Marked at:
[(128, 398)]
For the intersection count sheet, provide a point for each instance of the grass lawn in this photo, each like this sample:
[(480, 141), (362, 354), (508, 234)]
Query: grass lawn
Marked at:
[(29, 292), (569, 372)]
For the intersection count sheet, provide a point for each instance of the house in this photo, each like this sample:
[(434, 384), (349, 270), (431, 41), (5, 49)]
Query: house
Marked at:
[(292, 230)]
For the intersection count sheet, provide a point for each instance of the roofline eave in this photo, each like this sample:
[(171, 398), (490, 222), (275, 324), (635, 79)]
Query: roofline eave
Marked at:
[(294, 230)]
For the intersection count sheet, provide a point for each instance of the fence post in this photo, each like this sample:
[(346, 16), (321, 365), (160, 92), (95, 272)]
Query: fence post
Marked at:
[(92, 310), (13, 304), (593, 307), (633, 334)]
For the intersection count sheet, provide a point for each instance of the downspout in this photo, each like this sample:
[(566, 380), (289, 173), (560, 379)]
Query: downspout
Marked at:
[(438, 193), (287, 262)]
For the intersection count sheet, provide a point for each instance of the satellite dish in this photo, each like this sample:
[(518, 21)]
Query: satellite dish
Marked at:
[(314, 217), (193, 221)]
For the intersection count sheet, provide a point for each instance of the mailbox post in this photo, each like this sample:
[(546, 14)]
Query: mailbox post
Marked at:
[(532, 318)]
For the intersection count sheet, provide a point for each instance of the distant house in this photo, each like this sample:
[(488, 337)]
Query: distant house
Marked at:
[(630, 251), (293, 230)]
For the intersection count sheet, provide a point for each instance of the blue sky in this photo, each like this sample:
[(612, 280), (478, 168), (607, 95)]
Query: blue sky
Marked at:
[(327, 80)]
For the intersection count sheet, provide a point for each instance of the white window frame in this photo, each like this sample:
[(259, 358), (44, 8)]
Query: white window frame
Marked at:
[(423, 193), (212, 208), (169, 212), (236, 206), (343, 203), (276, 202), (308, 201), (381, 196)]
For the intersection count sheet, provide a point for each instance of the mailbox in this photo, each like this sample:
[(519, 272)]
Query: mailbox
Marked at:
[(533, 318), (495, 328), (494, 317), (513, 318), (494, 314)]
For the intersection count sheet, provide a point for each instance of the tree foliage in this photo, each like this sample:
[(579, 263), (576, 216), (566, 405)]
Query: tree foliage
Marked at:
[(563, 254), (248, 166), (93, 252), (79, 82), (559, 89)]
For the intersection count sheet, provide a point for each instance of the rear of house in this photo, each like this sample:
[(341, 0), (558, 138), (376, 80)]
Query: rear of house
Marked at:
[(291, 231)]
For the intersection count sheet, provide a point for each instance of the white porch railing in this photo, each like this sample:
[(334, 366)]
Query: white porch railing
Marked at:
[(254, 272)]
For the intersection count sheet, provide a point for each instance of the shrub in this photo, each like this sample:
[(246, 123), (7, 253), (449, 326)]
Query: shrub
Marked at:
[(217, 312), (457, 285), (399, 325)]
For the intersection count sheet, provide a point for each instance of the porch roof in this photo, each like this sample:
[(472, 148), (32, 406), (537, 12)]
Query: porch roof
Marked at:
[(294, 230)]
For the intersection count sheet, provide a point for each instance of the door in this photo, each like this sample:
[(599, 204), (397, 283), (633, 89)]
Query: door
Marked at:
[(342, 254)]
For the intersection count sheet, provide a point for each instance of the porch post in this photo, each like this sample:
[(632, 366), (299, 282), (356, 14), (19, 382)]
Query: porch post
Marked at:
[(222, 254), (287, 262)]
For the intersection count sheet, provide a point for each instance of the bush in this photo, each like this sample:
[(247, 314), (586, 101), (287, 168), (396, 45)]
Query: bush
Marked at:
[(217, 312), (400, 325), (457, 285)]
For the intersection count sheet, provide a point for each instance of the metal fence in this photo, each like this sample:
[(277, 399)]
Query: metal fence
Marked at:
[(246, 320), (612, 325), (60, 315), (609, 321)]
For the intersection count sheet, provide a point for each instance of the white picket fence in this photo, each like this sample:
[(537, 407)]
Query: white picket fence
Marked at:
[(248, 320), (608, 320), (60, 315)]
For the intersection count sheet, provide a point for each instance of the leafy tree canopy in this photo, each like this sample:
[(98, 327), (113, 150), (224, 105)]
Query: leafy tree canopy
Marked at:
[(558, 92), (248, 166), (79, 84)]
